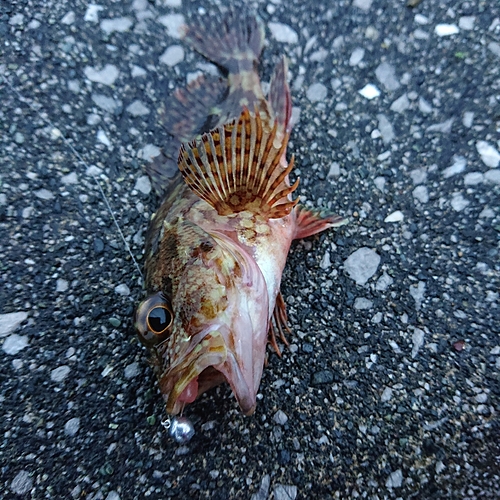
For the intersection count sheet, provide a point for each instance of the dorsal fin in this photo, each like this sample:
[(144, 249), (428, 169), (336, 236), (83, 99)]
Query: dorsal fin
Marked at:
[(236, 167)]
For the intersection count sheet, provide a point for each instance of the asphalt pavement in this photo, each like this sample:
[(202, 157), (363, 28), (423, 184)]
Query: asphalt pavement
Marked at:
[(391, 385)]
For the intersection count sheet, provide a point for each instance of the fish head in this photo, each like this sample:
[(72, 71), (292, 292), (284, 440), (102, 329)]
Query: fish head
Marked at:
[(211, 327)]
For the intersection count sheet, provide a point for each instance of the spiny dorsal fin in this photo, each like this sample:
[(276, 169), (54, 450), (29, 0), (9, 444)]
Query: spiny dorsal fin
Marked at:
[(236, 167)]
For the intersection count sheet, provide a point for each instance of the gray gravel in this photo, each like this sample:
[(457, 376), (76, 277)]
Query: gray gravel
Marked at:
[(391, 385)]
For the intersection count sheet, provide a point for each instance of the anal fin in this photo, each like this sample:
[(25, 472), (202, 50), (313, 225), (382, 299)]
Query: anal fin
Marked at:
[(310, 221), (279, 322), (189, 110), (185, 114)]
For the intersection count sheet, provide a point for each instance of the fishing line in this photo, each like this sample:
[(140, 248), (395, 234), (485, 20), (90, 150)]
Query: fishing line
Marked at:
[(49, 122), (180, 428)]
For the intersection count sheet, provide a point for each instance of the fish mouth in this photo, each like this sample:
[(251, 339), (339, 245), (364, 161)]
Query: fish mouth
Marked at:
[(207, 365)]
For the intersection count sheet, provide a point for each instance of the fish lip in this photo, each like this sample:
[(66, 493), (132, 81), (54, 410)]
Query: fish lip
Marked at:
[(189, 368)]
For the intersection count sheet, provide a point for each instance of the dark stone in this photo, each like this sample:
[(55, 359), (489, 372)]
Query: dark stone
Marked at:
[(322, 377), (98, 246)]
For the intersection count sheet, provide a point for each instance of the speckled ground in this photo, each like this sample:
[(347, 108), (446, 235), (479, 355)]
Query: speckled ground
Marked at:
[(391, 386)]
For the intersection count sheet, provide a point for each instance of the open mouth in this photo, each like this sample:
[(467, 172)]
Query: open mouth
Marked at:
[(206, 366)]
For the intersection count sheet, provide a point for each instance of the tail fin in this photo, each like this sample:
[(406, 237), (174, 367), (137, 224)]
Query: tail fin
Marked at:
[(233, 43)]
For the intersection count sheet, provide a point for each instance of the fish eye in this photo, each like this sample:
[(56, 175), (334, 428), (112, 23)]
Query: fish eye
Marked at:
[(159, 319), (154, 319)]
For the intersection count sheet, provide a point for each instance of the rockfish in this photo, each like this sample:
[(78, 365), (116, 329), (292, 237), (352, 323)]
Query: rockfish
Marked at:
[(217, 246)]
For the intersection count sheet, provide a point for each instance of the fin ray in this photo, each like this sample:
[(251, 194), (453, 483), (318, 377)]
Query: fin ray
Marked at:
[(237, 167), (310, 221)]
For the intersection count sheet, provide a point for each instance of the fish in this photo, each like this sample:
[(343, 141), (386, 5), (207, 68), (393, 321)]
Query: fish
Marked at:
[(218, 243)]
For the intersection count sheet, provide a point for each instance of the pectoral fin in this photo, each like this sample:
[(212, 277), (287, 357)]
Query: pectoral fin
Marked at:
[(311, 221)]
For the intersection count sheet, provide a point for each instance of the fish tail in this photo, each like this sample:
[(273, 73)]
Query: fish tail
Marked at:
[(233, 42)]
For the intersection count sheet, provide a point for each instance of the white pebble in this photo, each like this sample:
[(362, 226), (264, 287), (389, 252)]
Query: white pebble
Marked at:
[(418, 341), (489, 155), (71, 178), (446, 29), (369, 91), (401, 104), (137, 71), (143, 184), (424, 106), (61, 285), (363, 303), (443, 127), (493, 176), (334, 170), (280, 417), (10, 321), (106, 103), (473, 178), (494, 47), (103, 138), (362, 4), (69, 18), (106, 76), (396, 216), (137, 108), (22, 483), (60, 373), (384, 282), (325, 261), (92, 13), (118, 24), (131, 370), (173, 55), (421, 194), (386, 75), (417, 292), (72, 426), (379, 183), (283, 33), (386, 129), (386, 395), (458, 166), (466, 22), (421, 19), (395, 480), (113, 495), (316, 92), (481, 398), (418, 175), (174, 24), (458, 202), (288, 491), (362, 264), (14, 343), (468, 118), (44, 194), (357, 56), (122, 290), (27, 212), (16, 19)]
